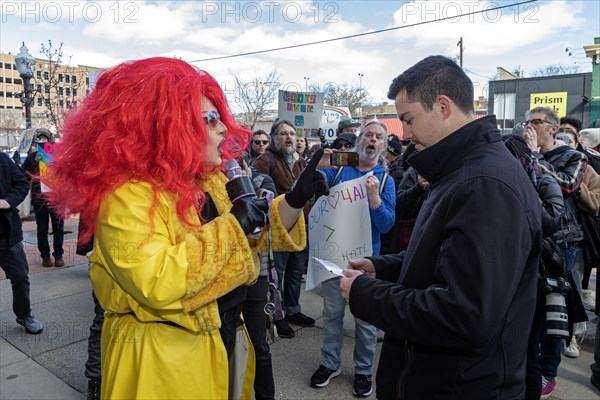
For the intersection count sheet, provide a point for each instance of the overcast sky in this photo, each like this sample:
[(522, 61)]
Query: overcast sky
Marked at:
[(104, 33)]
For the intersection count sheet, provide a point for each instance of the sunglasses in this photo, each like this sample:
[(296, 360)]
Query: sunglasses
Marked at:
[(212, 118), (567, 130), (344, 145), (259, 142), (536, 121)]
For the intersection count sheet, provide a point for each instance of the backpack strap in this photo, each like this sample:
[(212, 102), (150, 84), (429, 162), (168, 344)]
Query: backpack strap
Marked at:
[(337, 175), (383, 182)]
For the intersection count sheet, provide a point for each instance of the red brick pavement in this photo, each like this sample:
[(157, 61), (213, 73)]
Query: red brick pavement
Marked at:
[(33, 256)]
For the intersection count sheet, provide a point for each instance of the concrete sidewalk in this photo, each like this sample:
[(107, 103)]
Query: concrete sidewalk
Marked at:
[(51, 365)]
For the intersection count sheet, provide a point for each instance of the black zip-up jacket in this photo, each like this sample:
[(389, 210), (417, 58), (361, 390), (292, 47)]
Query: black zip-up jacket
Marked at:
[(13, 188), (457, 306)]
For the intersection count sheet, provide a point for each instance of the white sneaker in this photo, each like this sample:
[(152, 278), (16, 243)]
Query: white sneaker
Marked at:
[(573, 349), (589, 300)]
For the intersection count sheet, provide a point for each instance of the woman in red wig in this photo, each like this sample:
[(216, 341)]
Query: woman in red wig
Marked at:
[(141, 161)]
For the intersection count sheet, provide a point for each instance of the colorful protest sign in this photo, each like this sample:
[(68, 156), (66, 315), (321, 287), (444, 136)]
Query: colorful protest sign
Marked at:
[(331, 119), (303, 109), (25, 140), (339, 229), (45, 150)]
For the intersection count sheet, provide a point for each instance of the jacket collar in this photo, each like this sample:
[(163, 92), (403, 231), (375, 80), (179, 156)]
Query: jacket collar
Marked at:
[(557, 150), (446, 156)]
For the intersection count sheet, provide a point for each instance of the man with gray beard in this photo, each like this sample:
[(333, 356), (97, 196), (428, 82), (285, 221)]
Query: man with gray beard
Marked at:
[(381, 193), (279, 163)]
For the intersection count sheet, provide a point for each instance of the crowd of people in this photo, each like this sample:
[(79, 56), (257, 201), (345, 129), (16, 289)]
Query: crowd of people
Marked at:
[(196, 263)]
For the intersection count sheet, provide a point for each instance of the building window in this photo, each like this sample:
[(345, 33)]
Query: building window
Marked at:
[(68, 91), (68, 104), (87, 81), (1, 94), (18, 81), (47, 102), (39, 88), (47, 89), (60, 77), (61, 103), (39, 102), (60, 91), (68, 78), (504, 108), (7, 66), (74, 79), (74, 92), (38, 74), (46, 75), (8, 80)]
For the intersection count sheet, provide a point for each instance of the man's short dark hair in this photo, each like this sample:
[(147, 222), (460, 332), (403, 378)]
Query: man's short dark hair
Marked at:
[(574, 122), (431, 77)]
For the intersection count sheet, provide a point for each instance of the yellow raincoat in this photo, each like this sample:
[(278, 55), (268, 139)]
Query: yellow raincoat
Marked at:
[(158, 280)]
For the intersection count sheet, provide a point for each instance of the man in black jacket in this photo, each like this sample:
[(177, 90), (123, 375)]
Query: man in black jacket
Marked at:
[(457, 306), (13, 190)]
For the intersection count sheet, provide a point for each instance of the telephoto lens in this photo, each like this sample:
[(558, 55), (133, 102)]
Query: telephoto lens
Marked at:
[(557, 320)]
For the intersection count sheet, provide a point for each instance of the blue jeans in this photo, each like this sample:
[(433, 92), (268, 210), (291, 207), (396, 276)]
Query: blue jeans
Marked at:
[(578, 266), (551, 347), (290, 267), (365, 340)]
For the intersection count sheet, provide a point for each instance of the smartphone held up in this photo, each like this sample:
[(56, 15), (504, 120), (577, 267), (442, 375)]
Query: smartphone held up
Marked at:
[(344, 159)]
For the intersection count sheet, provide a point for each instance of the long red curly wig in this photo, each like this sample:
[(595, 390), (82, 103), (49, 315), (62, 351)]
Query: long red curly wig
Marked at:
[(143, 121)]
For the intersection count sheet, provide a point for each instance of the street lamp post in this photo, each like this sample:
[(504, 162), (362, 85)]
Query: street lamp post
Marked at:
[(25, 65), (306, 78)]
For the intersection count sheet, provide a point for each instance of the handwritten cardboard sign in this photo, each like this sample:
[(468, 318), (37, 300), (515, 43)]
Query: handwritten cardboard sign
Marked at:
[(339, 229), (303, 109)]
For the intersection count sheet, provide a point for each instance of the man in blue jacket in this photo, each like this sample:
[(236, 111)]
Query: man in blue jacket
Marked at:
[(381, 192), (457, 306), (13, 190)]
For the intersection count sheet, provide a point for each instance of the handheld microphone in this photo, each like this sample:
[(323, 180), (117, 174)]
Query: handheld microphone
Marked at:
[(239, 186)]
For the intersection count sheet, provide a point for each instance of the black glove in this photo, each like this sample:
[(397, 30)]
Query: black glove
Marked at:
[(310, 182), (250, 212), (322, 139)]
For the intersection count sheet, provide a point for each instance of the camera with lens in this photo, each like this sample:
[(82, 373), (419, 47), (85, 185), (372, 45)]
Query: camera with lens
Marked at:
[(560, 285), (557, 319)]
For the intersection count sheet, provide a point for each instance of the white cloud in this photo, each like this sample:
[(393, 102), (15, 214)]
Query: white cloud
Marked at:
[(142, 22), (489, 33)]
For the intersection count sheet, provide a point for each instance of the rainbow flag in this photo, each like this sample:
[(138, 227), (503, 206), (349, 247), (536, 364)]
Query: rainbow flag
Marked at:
[(45, 150)]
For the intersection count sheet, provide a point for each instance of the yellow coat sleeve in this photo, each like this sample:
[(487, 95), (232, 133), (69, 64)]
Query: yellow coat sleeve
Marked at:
[(294, 240), (140, 254)]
